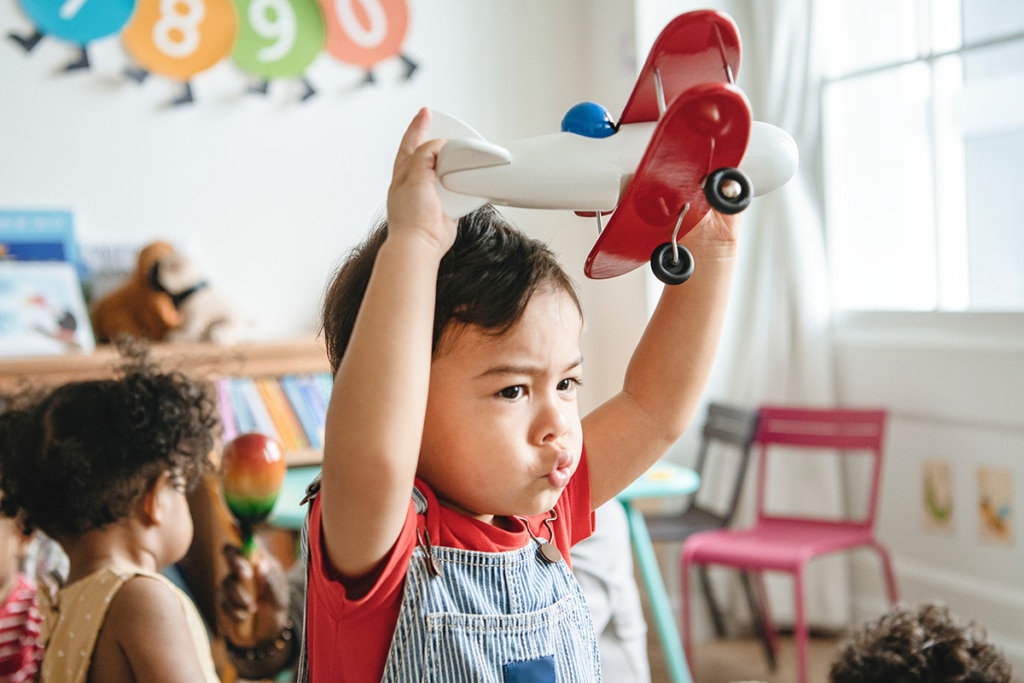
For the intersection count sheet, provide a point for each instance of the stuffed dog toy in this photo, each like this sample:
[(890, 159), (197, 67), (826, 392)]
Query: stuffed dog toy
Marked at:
[(135, 308), (205, 314)]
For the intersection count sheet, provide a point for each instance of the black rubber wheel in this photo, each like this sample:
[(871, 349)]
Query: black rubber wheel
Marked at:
[(728, 190), (669, 272)]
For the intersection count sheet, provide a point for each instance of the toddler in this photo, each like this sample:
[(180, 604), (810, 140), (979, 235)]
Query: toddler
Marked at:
[(924, 644), (103, 468), (457, 470)]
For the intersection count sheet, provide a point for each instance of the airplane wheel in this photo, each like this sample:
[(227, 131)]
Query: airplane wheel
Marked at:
[(668, 272), (728, 190)]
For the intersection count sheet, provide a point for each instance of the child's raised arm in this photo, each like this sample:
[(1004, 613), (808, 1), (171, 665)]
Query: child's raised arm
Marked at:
[(376, 412), (669, 368)]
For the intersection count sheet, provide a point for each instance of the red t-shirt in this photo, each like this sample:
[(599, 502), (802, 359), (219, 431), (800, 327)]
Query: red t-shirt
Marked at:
[(348, 640)]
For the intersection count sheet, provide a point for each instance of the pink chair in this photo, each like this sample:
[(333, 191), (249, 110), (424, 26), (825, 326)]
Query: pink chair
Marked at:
[(786, 543)]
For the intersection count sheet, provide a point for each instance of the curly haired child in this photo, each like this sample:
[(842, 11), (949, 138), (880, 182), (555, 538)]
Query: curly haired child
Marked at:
[(103, 467), (919, 645), (457, 470)]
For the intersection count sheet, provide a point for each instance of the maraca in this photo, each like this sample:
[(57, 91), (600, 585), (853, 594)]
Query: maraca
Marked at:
[(253, 471)]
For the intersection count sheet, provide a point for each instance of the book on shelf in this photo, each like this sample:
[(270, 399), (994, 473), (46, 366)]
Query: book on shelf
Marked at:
[(291, 408), (282, 413), (303, 411), (229, 425), (258, 408), (39, 235), (42, 310), (317, 398)]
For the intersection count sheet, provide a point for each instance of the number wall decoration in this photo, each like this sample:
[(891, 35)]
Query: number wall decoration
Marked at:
[(278, 39), (268, 39)]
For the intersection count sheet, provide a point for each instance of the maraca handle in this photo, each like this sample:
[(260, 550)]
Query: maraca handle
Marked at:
[(247, 625)]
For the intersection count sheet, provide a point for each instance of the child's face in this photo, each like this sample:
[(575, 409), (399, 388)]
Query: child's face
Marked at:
[(502, 434), (177, 518)]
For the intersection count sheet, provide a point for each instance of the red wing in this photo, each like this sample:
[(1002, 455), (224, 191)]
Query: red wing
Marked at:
[(695, 47), (704, 129)]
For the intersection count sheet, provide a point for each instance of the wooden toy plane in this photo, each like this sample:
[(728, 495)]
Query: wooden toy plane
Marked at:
[(685, 143)]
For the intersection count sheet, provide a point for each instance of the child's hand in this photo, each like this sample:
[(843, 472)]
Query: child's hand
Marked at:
[(715, 232), (268, 607), (413, 204)]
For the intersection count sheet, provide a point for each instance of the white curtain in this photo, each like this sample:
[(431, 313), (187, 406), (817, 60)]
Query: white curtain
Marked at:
[(777, 344)]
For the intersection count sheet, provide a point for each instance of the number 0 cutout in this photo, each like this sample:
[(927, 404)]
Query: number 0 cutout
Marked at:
[(364, 32)]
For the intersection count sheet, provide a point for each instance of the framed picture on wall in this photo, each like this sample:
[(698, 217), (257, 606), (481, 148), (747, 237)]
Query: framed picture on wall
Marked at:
[(995, 505), (42, 310), (937, 496)]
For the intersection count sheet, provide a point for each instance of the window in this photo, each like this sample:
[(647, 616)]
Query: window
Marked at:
[(923, 153)]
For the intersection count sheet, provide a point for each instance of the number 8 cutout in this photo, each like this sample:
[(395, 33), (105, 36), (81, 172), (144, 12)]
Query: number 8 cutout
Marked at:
[(178, 39)]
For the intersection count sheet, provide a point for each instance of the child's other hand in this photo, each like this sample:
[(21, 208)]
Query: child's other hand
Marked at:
[(235, 603), (413, 204), (716, 232)]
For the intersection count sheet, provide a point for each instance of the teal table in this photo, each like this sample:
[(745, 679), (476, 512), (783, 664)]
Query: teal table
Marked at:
[(663, 480), (287, 512)]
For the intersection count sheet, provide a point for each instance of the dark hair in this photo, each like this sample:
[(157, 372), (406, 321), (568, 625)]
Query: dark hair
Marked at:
[(923, 645), (486, 279), (81, 455)]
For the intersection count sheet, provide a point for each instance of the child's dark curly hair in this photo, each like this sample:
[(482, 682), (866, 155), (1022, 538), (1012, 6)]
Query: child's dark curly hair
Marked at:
[(82, 455), (923, 645)]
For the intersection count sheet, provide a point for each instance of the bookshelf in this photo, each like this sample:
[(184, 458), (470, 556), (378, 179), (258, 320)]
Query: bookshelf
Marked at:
[(209, 362)]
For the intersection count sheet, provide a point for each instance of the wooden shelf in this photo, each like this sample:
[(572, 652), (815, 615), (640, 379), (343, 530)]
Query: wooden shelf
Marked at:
[(204, 361), (201, 361)]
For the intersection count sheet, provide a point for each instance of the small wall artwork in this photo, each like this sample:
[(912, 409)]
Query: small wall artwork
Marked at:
[(937, 496), (995, 505)]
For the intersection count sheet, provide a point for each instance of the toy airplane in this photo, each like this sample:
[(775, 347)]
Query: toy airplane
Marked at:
[(685, 143)]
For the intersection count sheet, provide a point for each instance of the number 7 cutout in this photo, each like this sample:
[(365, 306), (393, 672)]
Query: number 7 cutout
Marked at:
[(79, 22)]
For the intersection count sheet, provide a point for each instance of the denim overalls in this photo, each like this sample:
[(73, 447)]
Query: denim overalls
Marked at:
[(506, 617)]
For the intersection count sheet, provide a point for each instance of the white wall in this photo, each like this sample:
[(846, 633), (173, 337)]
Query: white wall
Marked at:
[(953, 384), (269, 193)]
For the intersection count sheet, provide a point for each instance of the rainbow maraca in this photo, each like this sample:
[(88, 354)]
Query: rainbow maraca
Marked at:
[(253, 471)]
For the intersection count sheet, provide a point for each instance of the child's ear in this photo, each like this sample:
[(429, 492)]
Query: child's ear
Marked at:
[(151, 508)]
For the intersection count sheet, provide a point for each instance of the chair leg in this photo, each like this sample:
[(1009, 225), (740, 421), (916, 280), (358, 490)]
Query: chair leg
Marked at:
[(684, 599), (801, 627), (890, 577), (761, 616), (709, 597)]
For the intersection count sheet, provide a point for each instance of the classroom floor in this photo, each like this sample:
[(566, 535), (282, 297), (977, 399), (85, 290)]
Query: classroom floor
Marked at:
[(742, 659)]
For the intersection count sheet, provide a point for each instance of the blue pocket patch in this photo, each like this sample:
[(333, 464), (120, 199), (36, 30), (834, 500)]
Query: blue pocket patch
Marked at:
[(534, 671)]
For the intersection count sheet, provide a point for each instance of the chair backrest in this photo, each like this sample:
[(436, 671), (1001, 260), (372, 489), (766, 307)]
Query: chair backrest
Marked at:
[(843, 431), (733, 426)]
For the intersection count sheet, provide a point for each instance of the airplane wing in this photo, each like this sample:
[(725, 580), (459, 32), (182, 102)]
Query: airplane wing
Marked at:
[(695, 47), (465, 148), (704, 129)]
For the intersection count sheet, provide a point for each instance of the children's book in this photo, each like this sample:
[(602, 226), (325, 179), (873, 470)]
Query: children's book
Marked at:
[(310, 425), (39, 236), (287, 424), (42, 310)]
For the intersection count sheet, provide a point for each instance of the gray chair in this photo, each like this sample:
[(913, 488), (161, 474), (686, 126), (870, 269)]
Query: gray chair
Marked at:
[(727, 436)]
